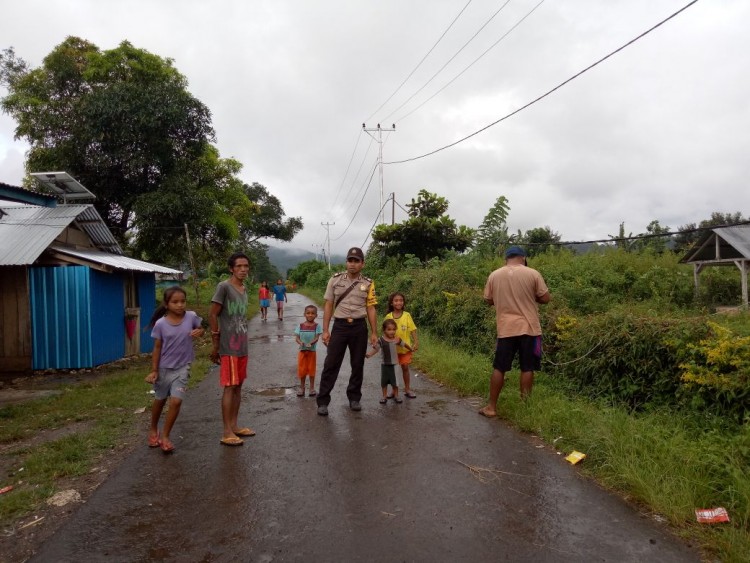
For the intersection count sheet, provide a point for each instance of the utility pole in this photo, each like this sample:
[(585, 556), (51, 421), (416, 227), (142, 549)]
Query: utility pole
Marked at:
[(192, 264), (379, 139), (328, 241), (393, 208)]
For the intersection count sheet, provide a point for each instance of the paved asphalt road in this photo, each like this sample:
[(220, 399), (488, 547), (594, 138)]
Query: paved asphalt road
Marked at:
[(390, 483)]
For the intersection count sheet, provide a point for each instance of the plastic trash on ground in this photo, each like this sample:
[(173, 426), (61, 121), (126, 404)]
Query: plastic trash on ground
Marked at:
[(711, 515), (575, 457)]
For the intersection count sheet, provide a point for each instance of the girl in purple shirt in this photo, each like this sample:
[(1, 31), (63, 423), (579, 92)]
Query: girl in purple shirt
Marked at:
[(173, 331)]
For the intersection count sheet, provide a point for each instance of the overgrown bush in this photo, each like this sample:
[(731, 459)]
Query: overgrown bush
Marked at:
[(715, 372), (623, 357)]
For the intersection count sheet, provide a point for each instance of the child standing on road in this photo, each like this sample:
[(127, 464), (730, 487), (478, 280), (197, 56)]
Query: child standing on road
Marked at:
[(387, 345), (279, 291), (306, 334), (264, 296), (173, 332), (406, 331)]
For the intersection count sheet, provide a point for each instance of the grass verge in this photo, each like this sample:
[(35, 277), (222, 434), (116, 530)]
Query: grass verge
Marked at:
[(103, 410), (669, 462)]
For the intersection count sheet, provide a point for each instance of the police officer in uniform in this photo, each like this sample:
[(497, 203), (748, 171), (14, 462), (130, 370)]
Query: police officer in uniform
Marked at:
[(350, 300)]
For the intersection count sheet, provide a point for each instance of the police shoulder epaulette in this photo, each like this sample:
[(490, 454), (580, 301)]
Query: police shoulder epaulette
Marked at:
[(367, 279), (338, 274)]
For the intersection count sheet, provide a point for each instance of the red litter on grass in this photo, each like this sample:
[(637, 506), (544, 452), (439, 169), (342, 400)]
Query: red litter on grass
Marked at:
[(6, 489), (712, 515)]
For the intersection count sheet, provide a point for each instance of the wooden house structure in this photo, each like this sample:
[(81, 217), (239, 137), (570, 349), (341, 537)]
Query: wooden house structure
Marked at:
[(69, 298), (722, 246)]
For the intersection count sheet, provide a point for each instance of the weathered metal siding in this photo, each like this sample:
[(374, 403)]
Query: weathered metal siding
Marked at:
[(60, 317), (108, 316), (147, 300)]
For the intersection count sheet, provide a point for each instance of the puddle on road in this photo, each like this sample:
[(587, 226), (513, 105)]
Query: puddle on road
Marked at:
[(271, 338), (273, 392)]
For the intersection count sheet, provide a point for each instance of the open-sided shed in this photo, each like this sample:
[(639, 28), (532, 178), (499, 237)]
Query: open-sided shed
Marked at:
[(722, 246)]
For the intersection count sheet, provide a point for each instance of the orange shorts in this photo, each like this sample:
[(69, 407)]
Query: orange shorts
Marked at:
[(404, 359), (306, 363), (233, 370)]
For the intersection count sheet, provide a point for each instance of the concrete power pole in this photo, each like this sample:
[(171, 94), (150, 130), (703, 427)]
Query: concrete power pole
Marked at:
[(328, 241), (379, 139)]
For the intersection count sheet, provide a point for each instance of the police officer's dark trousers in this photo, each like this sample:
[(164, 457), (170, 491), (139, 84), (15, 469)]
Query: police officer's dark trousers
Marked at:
[(345, 334)]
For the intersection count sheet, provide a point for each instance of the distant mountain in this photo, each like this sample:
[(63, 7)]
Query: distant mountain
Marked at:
[(287, 258)]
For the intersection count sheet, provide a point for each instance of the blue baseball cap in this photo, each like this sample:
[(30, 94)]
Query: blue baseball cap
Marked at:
[(515, 251)]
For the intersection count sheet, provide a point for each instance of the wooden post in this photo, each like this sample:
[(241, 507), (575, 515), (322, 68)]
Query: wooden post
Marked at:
[(192, 264)]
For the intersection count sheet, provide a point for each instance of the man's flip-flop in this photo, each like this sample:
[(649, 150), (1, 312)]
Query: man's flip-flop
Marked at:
[(484, 413), (167, 447), (231, 442), (154, 441), (300, 393), (245, 432), (312, 394), (410, 395)]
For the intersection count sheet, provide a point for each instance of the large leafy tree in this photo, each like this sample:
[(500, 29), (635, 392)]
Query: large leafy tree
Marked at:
[(427, 233), (121, 121), (268, 220)]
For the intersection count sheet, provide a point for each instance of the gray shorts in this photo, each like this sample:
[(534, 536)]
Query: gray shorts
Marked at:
[(172, 382)]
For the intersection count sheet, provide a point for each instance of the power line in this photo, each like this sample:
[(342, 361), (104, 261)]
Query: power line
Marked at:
[(376, 220), (662, 22), (356, 176), (449, 61), (419, 64), (519, 22), (374, 168), (348, 166)]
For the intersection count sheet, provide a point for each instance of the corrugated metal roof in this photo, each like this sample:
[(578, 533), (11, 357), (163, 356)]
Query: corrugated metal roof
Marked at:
[(27, 230), (734, 243), (113, 260)]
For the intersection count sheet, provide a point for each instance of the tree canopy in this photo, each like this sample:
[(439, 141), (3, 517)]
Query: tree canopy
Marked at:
[(427, 233), (123, 123)]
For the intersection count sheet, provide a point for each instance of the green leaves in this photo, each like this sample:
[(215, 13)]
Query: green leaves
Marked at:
[(428, 233)]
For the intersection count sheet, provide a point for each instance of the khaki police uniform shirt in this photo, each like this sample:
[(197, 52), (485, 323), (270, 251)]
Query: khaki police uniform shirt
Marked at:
[(354, 305)]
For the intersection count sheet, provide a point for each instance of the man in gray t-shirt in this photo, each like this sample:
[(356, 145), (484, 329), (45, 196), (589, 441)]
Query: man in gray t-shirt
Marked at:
[(228, 320)]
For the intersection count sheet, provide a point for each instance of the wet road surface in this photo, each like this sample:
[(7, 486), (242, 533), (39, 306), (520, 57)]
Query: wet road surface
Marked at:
[(408, 482)]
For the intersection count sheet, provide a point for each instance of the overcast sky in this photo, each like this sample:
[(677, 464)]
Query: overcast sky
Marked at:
[(660, 130)]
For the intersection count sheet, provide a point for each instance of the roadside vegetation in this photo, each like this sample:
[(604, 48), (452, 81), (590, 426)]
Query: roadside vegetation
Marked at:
[(640, 373)]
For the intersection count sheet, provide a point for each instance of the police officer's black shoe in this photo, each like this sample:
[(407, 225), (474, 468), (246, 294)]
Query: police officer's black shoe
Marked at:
[(323, 410), (355, 406)]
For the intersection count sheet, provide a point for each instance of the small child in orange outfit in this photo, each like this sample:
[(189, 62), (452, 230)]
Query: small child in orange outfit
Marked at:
[(306, 334)]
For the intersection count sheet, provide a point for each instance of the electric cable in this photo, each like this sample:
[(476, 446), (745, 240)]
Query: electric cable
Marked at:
[(519, 22), (359, 206), (420, 62), (376, 221), (539, 98), (449, 61)]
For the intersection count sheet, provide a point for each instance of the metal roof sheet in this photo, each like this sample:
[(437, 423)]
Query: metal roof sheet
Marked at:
[(113, 260), (734, 243), (27, 230)]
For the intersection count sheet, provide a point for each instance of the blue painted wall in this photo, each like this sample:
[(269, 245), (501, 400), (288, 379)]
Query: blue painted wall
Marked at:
[(147, 300), (78, 316), (107, 316), (60, 317)]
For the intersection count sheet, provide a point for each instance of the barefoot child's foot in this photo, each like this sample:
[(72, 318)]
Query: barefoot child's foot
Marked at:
[(488, 412)]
